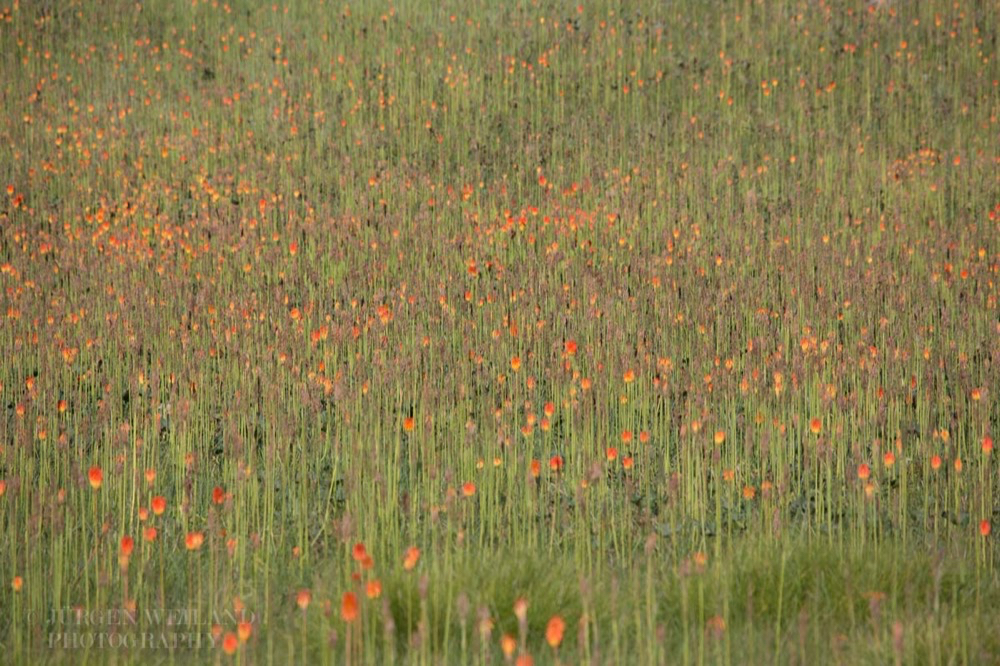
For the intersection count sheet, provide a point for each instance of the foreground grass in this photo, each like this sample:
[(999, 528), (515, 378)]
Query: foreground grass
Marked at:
[(366, 325), (763, 600)]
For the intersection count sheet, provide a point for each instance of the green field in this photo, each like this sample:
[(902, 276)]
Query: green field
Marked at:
[(499, 332)]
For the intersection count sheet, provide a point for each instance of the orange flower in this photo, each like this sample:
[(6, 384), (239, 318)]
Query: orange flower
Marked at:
[(889, 459), (17, 583), (521, 609), (864, 471), (485, 626), (515, 363), (935, 462), (715, 626), (549, 409), (127, 545), (984, 528), (644, 436), (243, 630), (3, 487), (193, 540), (611, 453), (720, 437), (303, 598), (373, 590), (626, 436), (556, 463), (468, 489), (554, 631), (96, 477), (230, 643), (349, 607), (359, 552), (987, 447), (408, 424), (629, 376), (150, 476), (367, 563), (524, 660), (815, 426), (218, 495), (536, 468), (508, 644), (159, 505), (749, 492), (411, 558), (700, 559), (570, 347), (728, 475), (628, 462), (149, 534)]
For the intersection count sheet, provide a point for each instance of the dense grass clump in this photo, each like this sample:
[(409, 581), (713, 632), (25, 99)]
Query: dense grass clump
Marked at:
[(493, 332)]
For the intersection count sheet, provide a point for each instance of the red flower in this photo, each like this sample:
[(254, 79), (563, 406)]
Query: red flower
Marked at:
[(349, 607), (411, 558), (96, 477), (554, 631), (193, 540), (230, 643)]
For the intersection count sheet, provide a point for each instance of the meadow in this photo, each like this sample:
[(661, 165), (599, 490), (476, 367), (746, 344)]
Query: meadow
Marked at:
[(483, 333)]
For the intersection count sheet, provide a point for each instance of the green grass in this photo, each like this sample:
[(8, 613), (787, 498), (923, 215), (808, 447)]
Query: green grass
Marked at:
[(241, 246)]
